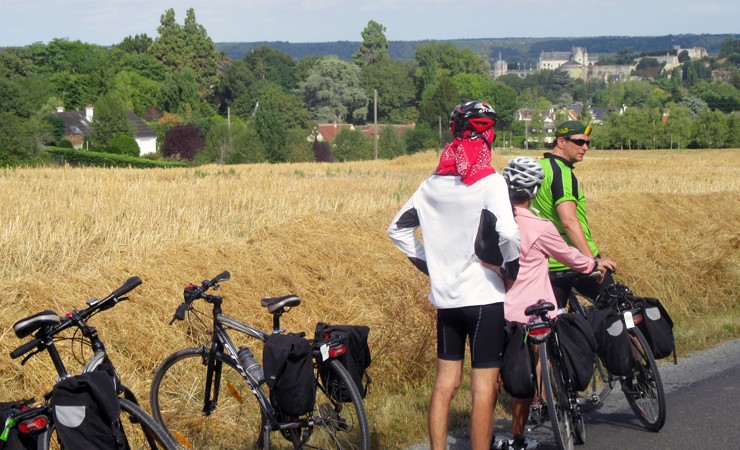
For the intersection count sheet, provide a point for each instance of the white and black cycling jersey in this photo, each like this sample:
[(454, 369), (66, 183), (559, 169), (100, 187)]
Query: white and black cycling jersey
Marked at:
[(461, 225)]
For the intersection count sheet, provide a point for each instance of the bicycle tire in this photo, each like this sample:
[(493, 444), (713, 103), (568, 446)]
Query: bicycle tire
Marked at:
[(339, 425), (141, 431), (177, 402), (643, 386), (557, 405), (602, 383)]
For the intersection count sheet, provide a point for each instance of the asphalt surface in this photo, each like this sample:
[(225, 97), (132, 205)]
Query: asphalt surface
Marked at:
[(702, 399)]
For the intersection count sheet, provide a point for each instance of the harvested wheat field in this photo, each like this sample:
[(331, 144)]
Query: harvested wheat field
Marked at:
[(670, 219)]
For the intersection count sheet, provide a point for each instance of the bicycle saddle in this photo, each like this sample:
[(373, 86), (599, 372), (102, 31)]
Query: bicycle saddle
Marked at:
[(539, 309), (278, 304), (25, 327)]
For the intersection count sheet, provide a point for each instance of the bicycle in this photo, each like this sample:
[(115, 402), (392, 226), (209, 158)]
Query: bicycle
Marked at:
[(642, 387), (200, 395), (560, 394), (140, 429)]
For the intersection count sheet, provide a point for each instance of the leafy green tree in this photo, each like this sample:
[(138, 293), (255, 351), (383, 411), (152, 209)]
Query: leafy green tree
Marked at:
[(272, 65), (299, 147), (436, 61), (352, 145), (279, 112), (683, 56), (56, 127), (677, 129), (473, 86), (123, 144), (13, 99), (718, 94), (179, 93), (248, 147), (111, 118), (709, 129), (421, 138), (187, 47), (138, 93), (503, 99), (138, 44), (390, 144), (235, 92), (395, 87), (374, 47), (437, 103), (16, 62), (20, 139), (333, 92), (694, 104)]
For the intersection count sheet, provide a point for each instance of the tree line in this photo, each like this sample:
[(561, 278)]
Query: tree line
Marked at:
[(206, 107)]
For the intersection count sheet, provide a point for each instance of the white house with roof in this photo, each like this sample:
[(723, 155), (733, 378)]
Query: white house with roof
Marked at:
[(78, 124)]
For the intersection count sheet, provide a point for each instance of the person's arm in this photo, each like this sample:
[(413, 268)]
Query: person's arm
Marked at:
[(568, 217), (506, 228), (402, 233), (554, 246)]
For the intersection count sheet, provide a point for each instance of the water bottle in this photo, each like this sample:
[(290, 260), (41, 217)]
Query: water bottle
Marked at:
[(251, 366)]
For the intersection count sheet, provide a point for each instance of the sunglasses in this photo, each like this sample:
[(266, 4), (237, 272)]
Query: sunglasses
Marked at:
[(579, 142)]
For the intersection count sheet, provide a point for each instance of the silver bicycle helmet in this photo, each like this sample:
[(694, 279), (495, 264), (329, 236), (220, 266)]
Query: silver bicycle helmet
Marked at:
[(524, 174)]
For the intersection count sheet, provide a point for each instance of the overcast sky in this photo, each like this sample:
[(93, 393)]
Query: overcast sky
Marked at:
[(107, 22)]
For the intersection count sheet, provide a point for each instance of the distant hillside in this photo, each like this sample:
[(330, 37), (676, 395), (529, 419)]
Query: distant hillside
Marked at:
[(511, 49)]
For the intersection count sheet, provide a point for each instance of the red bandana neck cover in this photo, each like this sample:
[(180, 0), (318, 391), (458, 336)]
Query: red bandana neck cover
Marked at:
[(469, 158)]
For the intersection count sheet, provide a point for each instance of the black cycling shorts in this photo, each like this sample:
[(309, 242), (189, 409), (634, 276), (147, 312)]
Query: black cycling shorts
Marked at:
[(483, 325)]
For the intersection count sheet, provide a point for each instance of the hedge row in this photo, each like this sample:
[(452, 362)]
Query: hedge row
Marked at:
[(89, 158)]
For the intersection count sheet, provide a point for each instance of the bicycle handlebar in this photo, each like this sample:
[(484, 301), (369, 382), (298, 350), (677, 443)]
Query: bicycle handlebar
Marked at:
[(193, 292), (25, 348), (74, 317)]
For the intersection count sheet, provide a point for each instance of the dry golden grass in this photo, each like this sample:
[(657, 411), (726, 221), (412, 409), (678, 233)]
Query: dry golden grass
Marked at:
[(670, 219)]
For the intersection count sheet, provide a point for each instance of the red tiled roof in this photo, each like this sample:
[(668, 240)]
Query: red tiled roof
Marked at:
[(329, 131)]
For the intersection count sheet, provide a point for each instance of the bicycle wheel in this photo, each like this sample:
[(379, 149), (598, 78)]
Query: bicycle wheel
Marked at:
[(141, 431), (557, 402), (339, 425), (177, 398), (643, 387), (602, 383)]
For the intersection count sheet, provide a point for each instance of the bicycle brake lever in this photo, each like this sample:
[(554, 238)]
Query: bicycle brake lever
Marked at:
[(180, 312)]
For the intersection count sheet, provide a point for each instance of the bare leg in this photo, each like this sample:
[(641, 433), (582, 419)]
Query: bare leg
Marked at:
[(484, 390), (519, 413), (449, 377)]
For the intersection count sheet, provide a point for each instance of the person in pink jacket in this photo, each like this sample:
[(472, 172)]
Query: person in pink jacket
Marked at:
[(539, 240)]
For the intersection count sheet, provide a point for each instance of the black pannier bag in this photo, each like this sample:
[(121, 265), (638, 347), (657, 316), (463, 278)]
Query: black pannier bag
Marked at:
[(288, 367), (11, 438), (516, 368), (614, 342), (657, 327), (87, 412), (578, 344), (356, 360)]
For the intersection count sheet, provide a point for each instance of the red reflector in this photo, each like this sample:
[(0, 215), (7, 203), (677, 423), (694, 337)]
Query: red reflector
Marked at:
[(337, 351), (539, 332), (37, 423), (637, 318)]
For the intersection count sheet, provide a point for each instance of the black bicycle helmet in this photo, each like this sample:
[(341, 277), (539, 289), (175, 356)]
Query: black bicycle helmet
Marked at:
[(524, 174), (472, 118)]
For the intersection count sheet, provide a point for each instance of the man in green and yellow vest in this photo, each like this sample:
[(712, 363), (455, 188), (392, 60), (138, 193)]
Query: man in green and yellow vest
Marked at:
[(561, 200)]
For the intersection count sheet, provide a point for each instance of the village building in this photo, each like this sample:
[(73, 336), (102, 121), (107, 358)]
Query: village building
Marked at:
[(78, 126)]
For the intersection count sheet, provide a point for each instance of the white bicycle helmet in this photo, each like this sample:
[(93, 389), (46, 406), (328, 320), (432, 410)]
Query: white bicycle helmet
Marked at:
[(524, 174)]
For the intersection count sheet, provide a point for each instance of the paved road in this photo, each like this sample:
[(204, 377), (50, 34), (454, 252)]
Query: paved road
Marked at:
[(703, 402)]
